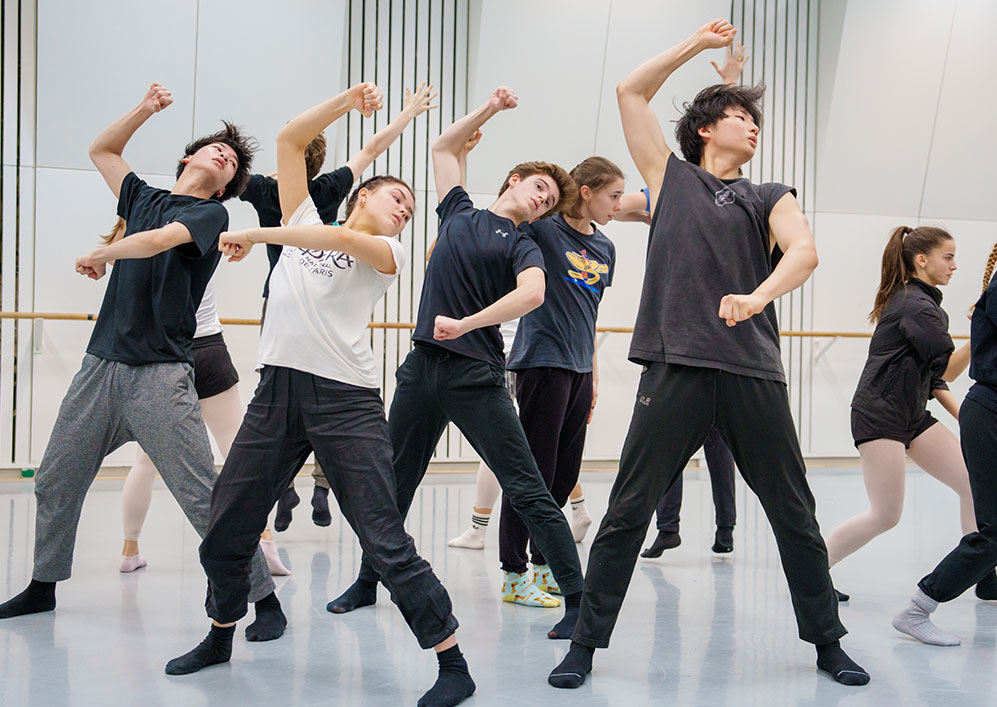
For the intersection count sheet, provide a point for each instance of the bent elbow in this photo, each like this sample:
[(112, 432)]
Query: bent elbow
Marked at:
[(536, 298)]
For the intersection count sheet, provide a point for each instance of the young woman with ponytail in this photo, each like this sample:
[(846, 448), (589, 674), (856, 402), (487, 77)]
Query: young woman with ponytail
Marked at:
[(973, 559), (911, 355)]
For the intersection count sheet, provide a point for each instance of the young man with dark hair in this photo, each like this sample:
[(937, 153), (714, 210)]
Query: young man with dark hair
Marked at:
[(137, 382), (484, 271), (721, 250), (328, 192)]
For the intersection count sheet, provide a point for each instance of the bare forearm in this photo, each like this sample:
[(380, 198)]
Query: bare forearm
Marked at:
[(522, 300), (303, 129), (317, 237), (795, 268), (648, 78), (958, 362), (139, 245), (454, 138), (947, 401), (114, 138)]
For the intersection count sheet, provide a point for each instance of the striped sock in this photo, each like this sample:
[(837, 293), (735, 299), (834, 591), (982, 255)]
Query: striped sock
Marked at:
[(480, 520), (577, 503)]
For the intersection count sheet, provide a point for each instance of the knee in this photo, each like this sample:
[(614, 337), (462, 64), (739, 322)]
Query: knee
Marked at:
[(888, 519)]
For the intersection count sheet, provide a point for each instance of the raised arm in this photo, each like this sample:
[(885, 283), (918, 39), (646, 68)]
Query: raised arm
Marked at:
[(138, 245), (730, 72), (462, 159), (415, 104), (528, 295), (447, 167), (106, 150), (369, 249), (293, 138), (641, 128), (791, 232)]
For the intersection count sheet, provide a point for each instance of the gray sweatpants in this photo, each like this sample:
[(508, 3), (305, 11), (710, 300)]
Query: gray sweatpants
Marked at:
[(107, 405)]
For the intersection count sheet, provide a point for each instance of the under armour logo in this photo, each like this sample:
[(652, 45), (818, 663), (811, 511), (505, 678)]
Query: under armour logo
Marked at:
[(644, 400), (501, 232), (725, 196)]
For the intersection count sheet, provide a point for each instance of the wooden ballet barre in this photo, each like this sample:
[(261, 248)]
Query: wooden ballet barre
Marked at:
[(409, 325)]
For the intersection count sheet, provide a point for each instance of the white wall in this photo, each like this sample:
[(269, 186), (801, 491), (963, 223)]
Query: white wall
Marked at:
[(901, 138)]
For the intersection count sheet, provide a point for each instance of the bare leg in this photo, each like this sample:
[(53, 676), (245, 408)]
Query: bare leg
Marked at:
[(883, 469), (136, 496)]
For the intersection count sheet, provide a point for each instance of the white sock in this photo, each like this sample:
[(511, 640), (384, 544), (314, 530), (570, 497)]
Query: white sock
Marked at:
[(580, 519), (915, 621), (276, 567), (130, 563), (474, 537)]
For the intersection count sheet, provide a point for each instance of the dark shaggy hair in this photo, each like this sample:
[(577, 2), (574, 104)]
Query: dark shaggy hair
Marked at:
[(244, 147), (373, 183), (709, 106)]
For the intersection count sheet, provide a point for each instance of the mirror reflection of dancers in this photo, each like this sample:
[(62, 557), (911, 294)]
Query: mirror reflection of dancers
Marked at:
[(973, 559), (721, 251), (136, 381), (911, 355)]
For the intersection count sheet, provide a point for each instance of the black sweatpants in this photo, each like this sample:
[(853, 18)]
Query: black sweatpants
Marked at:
[(675, 407), (436, 386), (720, 464), (976, 554), (293, 413), (554, 406)]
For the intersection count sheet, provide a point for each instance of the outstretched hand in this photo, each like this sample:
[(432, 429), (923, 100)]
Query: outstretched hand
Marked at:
[(503, 98), (235, 244), (716, 34), (421, 101), (446, 328), (738, 308), (91, 266), (366, 98), (157, 98), (730, 72)]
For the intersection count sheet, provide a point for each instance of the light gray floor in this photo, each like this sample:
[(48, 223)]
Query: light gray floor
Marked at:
[(695, 630)]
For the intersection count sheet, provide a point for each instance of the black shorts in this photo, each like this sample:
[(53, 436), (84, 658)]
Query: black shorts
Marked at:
[(866, 429), (213, 369)]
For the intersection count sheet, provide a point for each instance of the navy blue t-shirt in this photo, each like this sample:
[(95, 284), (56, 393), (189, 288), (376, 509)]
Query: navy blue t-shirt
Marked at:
[(477, 258), (983, 347), (327, 190), (148, 311), (561, 332)]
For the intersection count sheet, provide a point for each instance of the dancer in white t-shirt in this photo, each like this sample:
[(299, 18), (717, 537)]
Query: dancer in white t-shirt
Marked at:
[(318, 391)]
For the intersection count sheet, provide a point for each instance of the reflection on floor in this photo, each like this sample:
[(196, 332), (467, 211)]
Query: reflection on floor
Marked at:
[(696, 629)]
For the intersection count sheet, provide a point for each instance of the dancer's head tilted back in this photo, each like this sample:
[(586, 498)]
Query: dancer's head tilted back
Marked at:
[(224, 157), (599, 183), (381, 205), (536, 189), (721, 119), (926, 252)]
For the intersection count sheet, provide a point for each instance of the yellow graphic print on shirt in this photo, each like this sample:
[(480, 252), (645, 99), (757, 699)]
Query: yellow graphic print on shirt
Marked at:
[(588, 271)]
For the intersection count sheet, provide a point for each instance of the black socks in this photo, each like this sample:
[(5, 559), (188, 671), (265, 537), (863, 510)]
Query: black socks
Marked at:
[(288, 500), (360, 593), (573, 669), (987, 587), (723, 540), (454, 685), (215, 648), (842, 596), (836, 663), (565, 628), (38, 597), (270, 620), (320, 507), (664, 541)]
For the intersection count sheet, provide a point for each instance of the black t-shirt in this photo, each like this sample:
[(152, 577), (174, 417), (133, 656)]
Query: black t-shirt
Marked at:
[(908, 353), (709, 238), (561, 332), (148, 311), (477, 258), (327, 190), (983, 346)]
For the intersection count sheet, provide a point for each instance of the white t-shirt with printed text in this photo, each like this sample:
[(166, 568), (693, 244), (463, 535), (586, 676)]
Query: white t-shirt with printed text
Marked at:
[(319, 307)]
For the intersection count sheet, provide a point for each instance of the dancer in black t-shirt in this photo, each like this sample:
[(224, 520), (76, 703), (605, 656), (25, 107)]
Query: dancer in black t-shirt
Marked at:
[(973, 560), (136, 382), (707, 335), (911, 355)]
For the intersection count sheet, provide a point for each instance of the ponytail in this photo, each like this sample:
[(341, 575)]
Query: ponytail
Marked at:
[(898, 260), (595, 173), (118, 230), (989, 270)]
